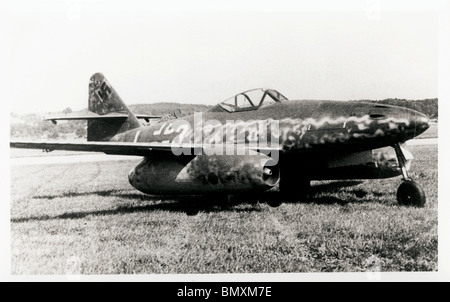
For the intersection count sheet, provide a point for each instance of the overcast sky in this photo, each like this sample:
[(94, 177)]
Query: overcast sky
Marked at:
[(197, 56)]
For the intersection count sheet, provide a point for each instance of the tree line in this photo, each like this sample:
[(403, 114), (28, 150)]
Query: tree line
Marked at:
[(427, 106), (34, 126)]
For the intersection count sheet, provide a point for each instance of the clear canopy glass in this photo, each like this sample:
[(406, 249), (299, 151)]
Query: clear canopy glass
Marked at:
[(252, 100)]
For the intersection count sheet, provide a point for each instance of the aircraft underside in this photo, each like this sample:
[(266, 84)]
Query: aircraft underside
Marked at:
[(199, 174)]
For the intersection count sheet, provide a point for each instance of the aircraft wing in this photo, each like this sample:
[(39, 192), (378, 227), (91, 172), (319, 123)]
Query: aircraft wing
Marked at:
[(125, 148)]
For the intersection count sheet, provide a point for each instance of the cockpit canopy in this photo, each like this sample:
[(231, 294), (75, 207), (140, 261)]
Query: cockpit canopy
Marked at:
[(252, 100)]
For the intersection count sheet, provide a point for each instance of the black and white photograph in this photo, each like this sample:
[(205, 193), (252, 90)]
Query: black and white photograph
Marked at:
[(225, 141)]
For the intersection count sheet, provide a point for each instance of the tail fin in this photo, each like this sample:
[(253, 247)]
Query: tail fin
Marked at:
[(104, 101)]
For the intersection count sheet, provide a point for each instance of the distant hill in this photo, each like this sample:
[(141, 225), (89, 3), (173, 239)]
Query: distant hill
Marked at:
[(160, 108), (167, 108)]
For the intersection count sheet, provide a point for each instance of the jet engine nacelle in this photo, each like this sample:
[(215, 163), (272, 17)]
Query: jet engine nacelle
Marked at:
[(203, 174)]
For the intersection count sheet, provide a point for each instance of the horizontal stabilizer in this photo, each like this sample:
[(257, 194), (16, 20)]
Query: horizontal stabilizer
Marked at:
[(92, 116)]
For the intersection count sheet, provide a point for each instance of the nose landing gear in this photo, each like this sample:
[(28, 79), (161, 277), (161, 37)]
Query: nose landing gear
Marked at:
[(409, 193)]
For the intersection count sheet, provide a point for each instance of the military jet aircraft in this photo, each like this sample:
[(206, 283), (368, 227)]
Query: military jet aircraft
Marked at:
[(256, 142)]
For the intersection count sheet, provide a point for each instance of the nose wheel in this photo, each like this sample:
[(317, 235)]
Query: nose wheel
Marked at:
[(409, 193)]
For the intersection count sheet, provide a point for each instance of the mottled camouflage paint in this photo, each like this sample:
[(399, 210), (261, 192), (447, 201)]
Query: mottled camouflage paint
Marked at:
[(207, 174), (343, 127), (294, 134), (103, 99)]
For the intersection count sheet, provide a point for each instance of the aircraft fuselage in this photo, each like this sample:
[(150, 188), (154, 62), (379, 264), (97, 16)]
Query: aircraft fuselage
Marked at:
[(311, 136), (295, 126)]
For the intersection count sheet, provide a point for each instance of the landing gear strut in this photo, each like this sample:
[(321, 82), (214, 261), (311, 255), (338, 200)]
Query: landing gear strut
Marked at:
[(409, 193)]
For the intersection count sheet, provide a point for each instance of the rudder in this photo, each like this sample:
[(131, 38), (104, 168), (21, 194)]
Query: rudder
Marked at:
[(104, 101)]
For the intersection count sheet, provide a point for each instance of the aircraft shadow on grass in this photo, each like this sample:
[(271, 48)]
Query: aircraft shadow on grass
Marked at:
[(180, 203)]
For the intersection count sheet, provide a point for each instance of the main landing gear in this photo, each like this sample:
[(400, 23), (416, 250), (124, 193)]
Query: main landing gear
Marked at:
[(292, 189), (409, 193)]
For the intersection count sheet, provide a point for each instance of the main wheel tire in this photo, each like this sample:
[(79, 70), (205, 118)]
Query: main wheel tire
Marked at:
[(295, 191), (409, 193), (274, 202), (273, 199), (191, 205), (191, 210)]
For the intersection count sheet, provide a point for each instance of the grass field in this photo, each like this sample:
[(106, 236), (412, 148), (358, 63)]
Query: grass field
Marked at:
[(86, 218), (431, 132)]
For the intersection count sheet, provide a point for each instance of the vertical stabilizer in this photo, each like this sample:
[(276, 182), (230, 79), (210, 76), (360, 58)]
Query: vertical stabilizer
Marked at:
[(104, 101)]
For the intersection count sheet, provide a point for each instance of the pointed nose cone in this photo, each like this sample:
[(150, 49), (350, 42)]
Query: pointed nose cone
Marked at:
[(421, 123)]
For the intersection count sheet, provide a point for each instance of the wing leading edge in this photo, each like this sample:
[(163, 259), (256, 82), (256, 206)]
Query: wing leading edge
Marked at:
[(126, 148)]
